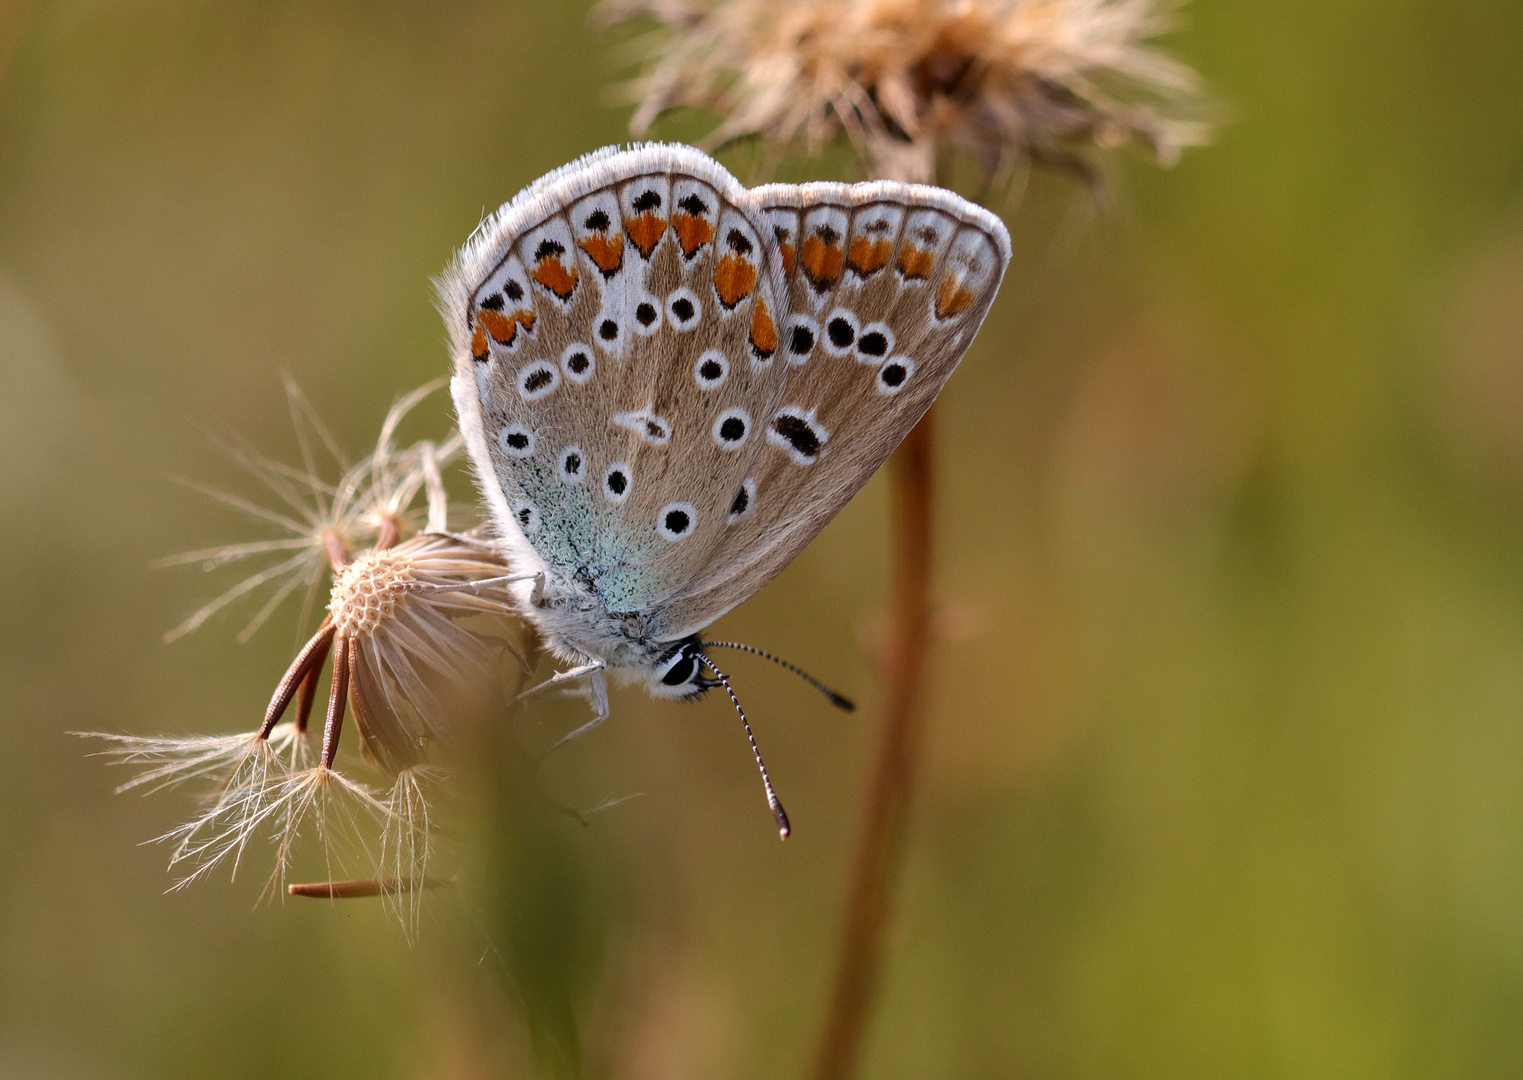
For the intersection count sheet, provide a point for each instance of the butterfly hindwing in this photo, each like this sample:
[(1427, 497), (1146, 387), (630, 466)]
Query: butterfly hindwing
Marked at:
[(615, 332), (887, 284), (670, 384)]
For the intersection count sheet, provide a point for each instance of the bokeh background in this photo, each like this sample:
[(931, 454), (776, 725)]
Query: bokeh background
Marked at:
[(1226, 767)]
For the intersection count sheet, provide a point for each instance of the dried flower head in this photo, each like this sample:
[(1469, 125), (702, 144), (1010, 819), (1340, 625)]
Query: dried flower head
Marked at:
[(419, 629), (907, 81)]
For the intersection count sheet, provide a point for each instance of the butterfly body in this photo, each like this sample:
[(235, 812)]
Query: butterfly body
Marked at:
[(668, 383)]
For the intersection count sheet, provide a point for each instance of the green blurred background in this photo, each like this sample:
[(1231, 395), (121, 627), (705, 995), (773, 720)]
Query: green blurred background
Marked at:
[(1226, 768)]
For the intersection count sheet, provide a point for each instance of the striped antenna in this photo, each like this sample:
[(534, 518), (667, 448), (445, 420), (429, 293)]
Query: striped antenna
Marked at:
[(840, 701), (783, 828)]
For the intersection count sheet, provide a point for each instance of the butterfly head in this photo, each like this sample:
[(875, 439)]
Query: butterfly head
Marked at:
[(679, 673)]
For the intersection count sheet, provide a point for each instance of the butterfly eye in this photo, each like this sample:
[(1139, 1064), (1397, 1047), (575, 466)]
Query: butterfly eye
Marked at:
[(731, 428), (516, 441), (677, 675), (681, 669), (616, 482), (711, 370), (676, 520), (893, 375)]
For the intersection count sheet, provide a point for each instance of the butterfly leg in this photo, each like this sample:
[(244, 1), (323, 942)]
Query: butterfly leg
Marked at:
[(537, 597), (594, 671), (596, 692)]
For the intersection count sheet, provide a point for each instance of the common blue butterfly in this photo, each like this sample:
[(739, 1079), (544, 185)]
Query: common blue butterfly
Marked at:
[(668, 384)]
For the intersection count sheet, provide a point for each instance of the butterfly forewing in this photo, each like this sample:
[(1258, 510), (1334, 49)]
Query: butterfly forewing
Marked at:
[(670, 384), (887, 285), (619, 395)]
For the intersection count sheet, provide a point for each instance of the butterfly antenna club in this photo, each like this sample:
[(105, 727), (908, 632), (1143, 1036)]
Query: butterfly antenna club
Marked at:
[(840, 701), (776, 804)]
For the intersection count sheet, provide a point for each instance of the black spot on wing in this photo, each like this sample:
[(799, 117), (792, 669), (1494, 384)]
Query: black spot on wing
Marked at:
[(798, 434)]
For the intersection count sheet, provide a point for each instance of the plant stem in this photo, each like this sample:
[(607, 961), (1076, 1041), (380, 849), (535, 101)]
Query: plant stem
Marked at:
[(906, 641)]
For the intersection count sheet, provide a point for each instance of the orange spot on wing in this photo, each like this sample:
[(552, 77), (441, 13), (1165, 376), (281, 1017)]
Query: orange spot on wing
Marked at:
[(645, 231), (504, 327), (479, 348), (822, 262), (866, 256), (734, 280), (763, 331), (606, 252), (916, 263), (952, 298), (692, 232), (553, 275), (787, 250)]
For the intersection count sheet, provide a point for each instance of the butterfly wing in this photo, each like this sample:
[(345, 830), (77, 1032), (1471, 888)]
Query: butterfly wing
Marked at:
[(615, 337), (887, 284)]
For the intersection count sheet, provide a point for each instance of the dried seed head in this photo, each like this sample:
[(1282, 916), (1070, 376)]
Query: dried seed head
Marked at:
[(429, 636), (908, 81), (422, 640), (367, 591)]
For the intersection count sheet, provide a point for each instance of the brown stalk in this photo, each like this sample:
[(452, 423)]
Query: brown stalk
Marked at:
[(359, 887), (906, 641)]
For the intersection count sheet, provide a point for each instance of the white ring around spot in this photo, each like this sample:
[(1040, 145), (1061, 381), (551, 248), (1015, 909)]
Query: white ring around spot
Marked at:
[(634, 315), (724, 418), (586, 373), (547, 375), (569, 475), (888, 343), (629, 482), (801, 322), (903, 362), (713, 356), (685, 508), (516, 433), (825, 340), (691, 297)]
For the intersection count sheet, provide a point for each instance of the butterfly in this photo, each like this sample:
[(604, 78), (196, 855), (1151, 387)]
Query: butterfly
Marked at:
[(669, 383)]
